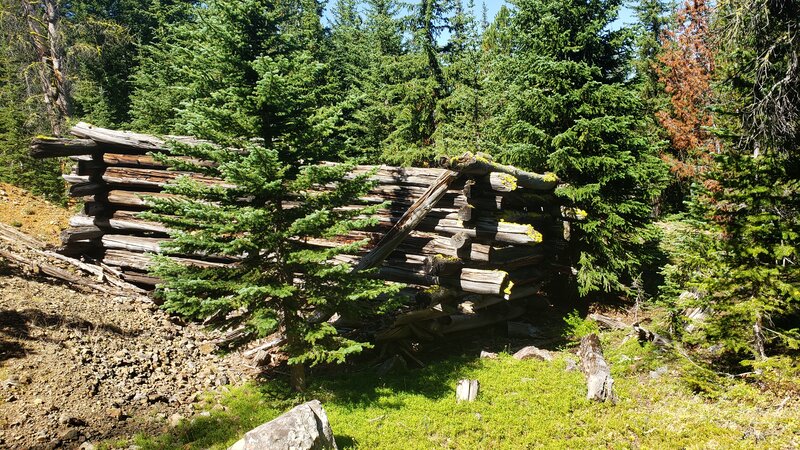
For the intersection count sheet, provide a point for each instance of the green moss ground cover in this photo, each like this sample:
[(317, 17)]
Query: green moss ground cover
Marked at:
[(522, 404)]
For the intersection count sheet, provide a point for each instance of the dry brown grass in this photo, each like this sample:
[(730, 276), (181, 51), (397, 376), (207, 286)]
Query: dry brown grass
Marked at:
[(31, 214)]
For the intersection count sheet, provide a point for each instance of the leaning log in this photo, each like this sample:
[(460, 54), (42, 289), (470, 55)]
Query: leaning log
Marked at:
[(600, 385), (415, 214)]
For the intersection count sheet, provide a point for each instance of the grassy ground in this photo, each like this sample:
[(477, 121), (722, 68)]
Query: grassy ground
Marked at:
[(522, 404)]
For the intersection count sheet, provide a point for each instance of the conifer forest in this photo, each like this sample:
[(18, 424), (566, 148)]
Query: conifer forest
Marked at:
[(379, 205)]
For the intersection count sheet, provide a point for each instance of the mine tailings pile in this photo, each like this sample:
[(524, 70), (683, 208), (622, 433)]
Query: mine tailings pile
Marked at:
[(475, 239)]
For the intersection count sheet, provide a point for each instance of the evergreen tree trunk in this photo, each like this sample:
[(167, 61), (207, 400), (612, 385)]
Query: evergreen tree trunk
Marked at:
[(758, 338), (297, 377), (43, 27)]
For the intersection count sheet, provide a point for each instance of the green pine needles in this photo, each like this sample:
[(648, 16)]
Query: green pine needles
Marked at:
[(261, 219)]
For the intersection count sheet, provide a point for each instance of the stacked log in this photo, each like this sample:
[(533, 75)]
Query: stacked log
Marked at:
[(477, 238)]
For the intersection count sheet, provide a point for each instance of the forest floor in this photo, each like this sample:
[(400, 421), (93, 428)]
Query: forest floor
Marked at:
[(663, 402), (82, 370), (77, 368)]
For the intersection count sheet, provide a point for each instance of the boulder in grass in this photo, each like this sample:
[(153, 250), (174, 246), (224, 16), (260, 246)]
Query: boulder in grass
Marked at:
[(531, 352), (304, 427)]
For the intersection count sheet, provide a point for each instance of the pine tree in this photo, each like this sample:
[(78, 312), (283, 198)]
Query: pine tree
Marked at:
[(752, 196), (22, 116), (352, 58), (652, 20), (418, 86), (685, 69), (462, 110), (561, 103), (255, 81), (262, 218)]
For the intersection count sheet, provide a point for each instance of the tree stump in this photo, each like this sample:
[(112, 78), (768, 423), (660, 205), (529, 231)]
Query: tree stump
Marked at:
[(600, 385)]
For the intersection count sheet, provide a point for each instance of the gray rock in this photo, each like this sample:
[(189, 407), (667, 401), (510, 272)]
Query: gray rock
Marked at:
[(175, 420), (305, 427), (531, 352), (488, 355), (70, 435)]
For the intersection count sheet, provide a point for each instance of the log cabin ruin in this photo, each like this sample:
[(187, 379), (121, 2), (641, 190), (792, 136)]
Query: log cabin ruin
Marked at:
[(474, 240)]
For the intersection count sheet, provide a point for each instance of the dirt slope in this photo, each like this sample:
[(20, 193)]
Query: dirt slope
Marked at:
[(77, 367), (31, 214)]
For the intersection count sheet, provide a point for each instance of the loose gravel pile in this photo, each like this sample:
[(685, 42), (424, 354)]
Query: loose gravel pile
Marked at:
[(79, 368)]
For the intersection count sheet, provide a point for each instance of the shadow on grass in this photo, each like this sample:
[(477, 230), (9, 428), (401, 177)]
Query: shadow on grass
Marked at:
[(249, 406)]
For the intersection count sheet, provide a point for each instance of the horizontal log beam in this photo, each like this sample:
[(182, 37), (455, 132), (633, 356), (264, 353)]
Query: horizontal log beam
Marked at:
[(482, 164), (44, 147)]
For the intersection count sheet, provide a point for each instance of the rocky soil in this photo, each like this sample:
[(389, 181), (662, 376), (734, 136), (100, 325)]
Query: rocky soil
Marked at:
[(77, 368)]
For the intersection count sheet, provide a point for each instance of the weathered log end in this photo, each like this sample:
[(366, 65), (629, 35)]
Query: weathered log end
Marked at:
[(467, 390), (600, 385)]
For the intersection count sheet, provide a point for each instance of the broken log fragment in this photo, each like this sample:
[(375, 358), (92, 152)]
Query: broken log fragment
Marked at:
[(467, 390), (466, 213), (609, 323), (599, 384), (531, 352), (80, 233)]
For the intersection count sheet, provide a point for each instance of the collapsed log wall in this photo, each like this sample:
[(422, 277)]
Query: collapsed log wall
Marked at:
[(488, 243)]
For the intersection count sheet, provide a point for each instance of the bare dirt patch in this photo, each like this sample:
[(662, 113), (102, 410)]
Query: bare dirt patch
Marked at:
[(85, 367), (32, 215)]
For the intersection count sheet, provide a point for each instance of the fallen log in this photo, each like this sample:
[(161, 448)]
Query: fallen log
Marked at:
[(476, 281), (500, 182), (481, 164), (119, 221), (25, 252), (503, 201), (600, 385), (506, 232), (144, 261)]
